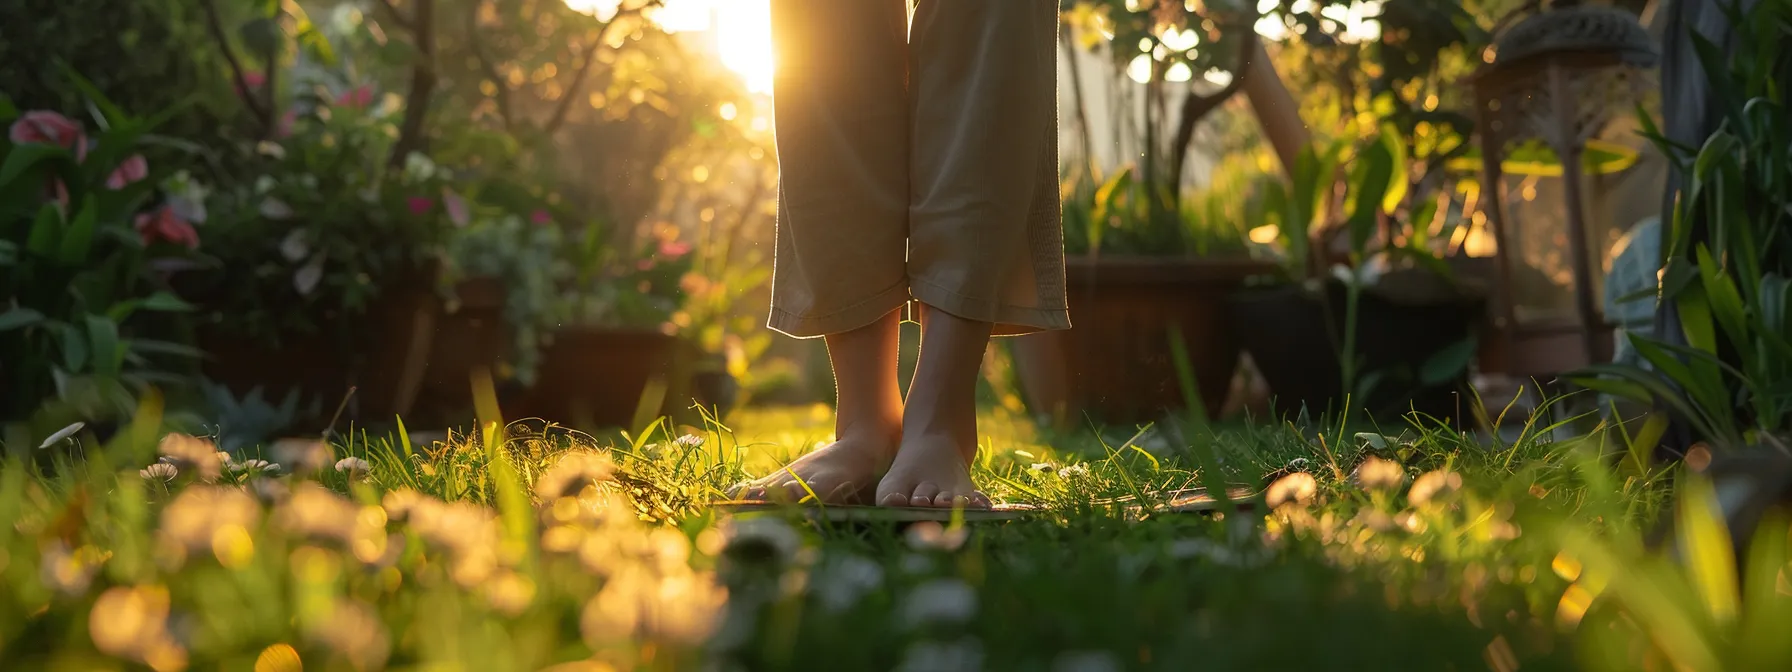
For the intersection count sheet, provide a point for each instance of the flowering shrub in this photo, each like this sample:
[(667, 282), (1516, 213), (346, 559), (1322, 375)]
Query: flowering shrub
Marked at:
[(326, 223), (86, 246)]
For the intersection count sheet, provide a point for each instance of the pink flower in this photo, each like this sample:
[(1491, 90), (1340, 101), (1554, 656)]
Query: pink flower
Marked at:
[(644, 265), (358, 97), (540, 218), (131, 170), (673, 249), (164, 225), (252, 79), (420, 205), (456, 207), (44, 127), (284, 129)]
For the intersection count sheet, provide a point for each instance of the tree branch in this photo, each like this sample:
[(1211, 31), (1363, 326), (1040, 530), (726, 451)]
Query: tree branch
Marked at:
[(502, 97), (1196, 107), (215, 25), (578, 79), (423, 84)]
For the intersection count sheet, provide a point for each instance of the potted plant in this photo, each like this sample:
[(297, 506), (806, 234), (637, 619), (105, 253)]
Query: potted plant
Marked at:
[(1147, 257), (87, 244), (608, 363), (1390, 329)]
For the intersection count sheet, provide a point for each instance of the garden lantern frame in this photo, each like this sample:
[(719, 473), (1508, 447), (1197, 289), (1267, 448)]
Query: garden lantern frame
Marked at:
[(1554, 77)]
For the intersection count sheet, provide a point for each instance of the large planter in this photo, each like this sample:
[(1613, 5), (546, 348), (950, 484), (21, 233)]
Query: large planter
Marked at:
[(408, 356), (326, 366), (1115, 365), (594, 377), (1293, 334)]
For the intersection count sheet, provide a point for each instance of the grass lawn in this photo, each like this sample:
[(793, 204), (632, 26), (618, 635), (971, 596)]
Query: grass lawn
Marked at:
[(1395, 549)]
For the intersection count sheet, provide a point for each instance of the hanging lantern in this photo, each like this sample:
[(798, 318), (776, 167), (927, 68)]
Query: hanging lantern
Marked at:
[(1555, 79)]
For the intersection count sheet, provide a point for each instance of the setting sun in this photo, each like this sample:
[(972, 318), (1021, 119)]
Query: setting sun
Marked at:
[(740, 30)]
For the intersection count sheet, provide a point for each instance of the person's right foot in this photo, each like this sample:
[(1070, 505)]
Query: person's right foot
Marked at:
[(843, 472)]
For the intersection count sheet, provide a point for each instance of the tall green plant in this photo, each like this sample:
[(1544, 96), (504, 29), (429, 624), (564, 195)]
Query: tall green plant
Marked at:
[(1727, 268), (81, 232)]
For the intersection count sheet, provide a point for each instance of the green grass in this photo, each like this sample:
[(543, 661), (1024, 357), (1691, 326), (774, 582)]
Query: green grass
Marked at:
[(543, 548)]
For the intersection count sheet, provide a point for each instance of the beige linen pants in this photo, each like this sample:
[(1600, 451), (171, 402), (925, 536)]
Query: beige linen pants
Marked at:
[(917, 163)]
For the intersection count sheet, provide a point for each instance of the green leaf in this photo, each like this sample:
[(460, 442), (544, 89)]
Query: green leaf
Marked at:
[(74, 347), (1397, 179), (155, 347), (1447, 364), (23, 158), (108, 353), (1705, 548), (77, 239), (45, 230), (166, 302), (1369, 179), (1726, 302), (19, 318), (8, 111), (112, 114)]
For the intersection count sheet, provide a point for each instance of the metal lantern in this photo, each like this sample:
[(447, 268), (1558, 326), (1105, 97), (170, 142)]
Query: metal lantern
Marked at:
[(1558, 76)]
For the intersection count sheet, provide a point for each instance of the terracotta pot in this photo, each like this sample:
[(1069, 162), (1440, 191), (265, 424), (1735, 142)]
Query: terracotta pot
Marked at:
[(1115, 364), (597, 377), (1293, 335)]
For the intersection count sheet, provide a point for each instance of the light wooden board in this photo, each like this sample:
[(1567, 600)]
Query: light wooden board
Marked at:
[(1193, 500)]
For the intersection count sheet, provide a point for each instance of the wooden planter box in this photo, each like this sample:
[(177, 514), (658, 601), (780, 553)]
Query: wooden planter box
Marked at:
[(600, 377), (390, 361), (1115, 364)]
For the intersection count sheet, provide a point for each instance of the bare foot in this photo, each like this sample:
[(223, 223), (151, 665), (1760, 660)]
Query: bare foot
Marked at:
[(842, 472), (930, 470)]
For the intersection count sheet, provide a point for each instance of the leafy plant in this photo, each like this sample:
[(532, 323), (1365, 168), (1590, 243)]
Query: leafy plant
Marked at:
[(252, 420), (527, 257), (83, 243), (1727, 266)]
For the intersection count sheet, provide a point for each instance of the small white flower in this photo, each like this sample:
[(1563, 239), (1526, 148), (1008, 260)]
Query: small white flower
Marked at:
[(1379, 474), (1077, 470), (1086, 661), (947, 601), (264, 184), (1298, 464), (1297, 488), (160, 471), (1042, 467), (226, 461), (355, 467), (274, 208), (842, 580), (61, 434), (418, 167), (296, 245), (261, 466), (270, 149), (1432, 485), (964, 655), (689, 441)]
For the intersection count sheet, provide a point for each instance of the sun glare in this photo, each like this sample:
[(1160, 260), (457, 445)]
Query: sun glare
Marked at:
[(740, 31)]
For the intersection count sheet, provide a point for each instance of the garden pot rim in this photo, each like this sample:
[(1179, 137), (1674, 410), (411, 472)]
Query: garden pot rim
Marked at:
[(1164, 270)]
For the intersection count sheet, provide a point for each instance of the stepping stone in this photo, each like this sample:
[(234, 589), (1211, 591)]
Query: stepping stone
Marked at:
[(1192, 500)]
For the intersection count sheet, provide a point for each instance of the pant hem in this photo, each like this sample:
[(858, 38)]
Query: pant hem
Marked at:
[(1009, 320), (846, 319)]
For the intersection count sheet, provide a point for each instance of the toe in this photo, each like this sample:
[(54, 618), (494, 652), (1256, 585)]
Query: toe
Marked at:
[(924, 494), (981, 501), (947, 500), (894, 499)]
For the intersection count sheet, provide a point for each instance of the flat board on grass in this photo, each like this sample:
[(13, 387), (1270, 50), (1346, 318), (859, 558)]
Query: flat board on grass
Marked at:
[(1192, 500)]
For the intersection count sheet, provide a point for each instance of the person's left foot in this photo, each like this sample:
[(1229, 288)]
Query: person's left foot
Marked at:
[(930, 470)]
